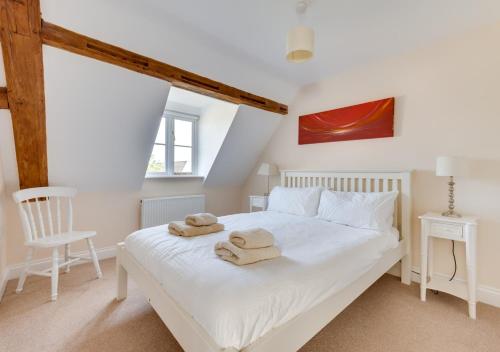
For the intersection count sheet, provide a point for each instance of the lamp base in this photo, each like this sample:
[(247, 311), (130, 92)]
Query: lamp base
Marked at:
[(451, 214), (451, 201)]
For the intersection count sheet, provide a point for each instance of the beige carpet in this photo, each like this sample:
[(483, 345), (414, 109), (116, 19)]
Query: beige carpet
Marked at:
[(387, 317)]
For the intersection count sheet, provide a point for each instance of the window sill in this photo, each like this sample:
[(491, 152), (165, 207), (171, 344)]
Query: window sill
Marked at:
[(174, 177)]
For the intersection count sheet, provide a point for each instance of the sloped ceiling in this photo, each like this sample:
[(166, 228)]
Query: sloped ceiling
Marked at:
[(213, 126), (101, 122), (348, 32), (245, 141), (139, 26)]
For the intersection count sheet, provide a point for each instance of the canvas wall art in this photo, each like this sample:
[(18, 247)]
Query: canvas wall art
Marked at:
[(374, 119)]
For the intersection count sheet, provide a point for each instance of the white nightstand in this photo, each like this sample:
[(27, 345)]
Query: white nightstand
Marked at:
[(258, 202), (462, 229)]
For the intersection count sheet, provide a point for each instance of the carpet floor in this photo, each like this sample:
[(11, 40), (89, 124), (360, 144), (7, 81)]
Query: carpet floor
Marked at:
[(387, 317)]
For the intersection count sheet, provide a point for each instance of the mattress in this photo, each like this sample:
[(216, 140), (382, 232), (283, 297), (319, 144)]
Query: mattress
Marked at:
[(237, 305)]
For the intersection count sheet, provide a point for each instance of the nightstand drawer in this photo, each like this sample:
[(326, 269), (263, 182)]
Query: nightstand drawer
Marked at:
[(451, 231), (259, 202)]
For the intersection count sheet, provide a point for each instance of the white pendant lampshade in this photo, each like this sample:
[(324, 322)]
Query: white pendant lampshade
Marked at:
[(300, 44)]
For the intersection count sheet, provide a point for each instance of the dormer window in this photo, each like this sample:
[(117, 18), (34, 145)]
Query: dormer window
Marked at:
[(175, 150), (190, 135)]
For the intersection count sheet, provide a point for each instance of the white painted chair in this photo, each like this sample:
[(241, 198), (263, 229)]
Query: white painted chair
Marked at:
[(38, 225)]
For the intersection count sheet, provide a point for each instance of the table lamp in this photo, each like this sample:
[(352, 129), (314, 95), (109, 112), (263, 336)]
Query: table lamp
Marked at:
[(267, 169), (450, 166)]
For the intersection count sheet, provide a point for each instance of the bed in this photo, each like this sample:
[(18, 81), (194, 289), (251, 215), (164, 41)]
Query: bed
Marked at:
[(211, 305)]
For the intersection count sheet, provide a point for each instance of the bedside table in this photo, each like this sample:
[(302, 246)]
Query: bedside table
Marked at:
[(258, 202), (462, 229)]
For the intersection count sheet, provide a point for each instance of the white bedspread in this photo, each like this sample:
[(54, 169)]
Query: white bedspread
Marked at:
[(237, 305)]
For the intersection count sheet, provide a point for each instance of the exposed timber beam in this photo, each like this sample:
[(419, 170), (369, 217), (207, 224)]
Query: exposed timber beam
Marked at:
[(62, 38), (20, 26), (4, 100)]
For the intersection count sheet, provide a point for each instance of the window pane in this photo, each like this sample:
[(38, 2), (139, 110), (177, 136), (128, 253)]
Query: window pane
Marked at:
[(157, 161), (160, 136), (182, 160), (183, 132)]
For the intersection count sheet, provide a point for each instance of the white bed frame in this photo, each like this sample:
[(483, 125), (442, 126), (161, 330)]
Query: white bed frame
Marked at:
[(296, 332)]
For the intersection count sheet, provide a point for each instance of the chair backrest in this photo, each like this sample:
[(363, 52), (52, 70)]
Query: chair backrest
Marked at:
[(36, 205)]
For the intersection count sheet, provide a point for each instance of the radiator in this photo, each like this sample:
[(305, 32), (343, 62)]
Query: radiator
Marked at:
[(159, 211)]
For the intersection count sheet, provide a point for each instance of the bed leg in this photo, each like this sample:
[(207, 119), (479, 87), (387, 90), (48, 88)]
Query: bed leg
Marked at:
[(406, 269), (121, 281)]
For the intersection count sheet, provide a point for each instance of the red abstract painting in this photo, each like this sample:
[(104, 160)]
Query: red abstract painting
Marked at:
[(369, 120)]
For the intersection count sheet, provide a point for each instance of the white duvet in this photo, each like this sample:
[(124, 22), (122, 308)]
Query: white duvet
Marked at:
[(237, 305)]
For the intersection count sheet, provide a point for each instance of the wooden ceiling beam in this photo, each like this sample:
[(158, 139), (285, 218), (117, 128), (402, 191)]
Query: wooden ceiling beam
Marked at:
[(20, 26), (62, 38), (4, 99), (22, 33)]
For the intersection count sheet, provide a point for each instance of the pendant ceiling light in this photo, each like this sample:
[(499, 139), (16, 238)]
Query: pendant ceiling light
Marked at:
[(300, 40)]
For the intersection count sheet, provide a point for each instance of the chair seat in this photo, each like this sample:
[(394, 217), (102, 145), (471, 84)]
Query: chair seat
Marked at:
[(60, 239)]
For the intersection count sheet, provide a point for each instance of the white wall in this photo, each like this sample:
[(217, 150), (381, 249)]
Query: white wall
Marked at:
[(3, 237), (102, 121), (213, 125), (5, 144), (447, 103), (245, 141)]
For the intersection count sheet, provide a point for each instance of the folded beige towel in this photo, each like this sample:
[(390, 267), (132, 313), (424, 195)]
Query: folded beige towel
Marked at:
[(236, 255), (201, 219), (252, 238), (179, 228)]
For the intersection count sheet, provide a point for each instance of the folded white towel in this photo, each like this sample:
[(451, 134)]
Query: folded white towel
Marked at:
[(236, 255), (200, 219), (252, 238)]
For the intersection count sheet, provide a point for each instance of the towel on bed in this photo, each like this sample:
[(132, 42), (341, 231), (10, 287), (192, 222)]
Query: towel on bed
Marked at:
[(236, 255), (179, 228), (201, 219), (252, 238)]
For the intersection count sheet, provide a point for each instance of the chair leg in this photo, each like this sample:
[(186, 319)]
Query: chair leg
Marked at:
[(54, 274), (66, 256), (93, 255), (24, 273)]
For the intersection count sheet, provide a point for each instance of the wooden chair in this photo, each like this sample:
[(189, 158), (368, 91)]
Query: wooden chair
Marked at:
[(43, 230)]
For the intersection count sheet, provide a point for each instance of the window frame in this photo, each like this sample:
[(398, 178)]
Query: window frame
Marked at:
[(170, 116)]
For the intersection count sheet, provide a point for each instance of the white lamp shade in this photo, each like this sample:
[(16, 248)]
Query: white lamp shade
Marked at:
[(300, 44), (267, 169), (450, 166)]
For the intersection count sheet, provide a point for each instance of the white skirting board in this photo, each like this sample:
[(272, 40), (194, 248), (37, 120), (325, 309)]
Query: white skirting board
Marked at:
[(13, 271), (486, 294)]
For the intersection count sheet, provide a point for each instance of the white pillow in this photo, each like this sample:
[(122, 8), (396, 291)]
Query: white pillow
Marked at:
[(297, 201), (362, 210)]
